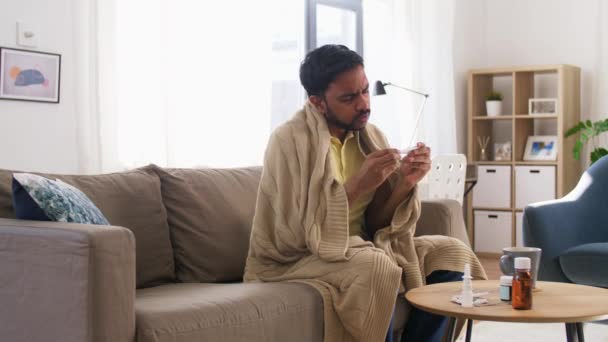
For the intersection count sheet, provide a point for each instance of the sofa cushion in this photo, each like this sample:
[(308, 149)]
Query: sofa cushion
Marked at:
[(229, 312), (129, 199), (210, 212), (57, 200), (586, 264)]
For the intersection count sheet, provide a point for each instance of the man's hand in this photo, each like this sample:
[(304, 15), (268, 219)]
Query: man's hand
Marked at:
[(414, 166), (374, 171)]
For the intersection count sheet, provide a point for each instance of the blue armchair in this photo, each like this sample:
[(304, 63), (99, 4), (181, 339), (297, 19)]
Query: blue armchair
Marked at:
[(573, 231)]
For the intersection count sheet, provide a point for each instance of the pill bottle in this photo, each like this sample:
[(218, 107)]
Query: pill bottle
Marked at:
[(522, 285), (506, 283)]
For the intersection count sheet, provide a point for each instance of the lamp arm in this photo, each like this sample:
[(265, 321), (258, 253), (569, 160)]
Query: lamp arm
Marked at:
[(420, 110), (408, 89)]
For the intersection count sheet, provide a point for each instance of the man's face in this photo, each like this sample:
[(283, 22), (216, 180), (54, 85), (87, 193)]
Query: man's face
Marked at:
[(345, 103)]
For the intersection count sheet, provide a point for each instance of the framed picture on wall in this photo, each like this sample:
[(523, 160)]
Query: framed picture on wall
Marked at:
[(542, 106), (29, 75), (541, 147)]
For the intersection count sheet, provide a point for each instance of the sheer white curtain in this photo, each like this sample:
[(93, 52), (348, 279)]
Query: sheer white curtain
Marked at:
[(409, 42), (599, 103), (183, 83)]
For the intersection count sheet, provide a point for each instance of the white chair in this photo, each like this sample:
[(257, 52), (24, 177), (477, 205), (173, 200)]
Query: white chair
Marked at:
[(447, 177)]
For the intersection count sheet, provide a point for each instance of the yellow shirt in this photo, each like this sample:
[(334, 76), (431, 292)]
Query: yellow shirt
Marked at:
[(347, 159)]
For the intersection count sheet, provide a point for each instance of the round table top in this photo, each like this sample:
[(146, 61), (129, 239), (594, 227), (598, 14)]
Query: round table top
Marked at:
[(551, 302)]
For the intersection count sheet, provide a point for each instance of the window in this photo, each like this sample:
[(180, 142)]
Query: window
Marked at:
[(302, 26), (335, 22), (200, 85)]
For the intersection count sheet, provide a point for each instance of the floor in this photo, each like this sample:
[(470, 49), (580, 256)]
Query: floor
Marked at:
[(490, 264)]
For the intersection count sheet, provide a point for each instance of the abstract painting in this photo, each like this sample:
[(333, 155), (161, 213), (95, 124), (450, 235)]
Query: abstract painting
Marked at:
[(29, 75)]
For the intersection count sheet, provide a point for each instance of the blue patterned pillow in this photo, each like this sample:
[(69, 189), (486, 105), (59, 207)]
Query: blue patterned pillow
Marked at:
[(39, 198)]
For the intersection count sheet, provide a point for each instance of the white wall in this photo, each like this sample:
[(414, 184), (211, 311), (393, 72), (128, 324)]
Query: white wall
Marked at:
[(552, 32), (469, 53), (493, 33), (41, 136)]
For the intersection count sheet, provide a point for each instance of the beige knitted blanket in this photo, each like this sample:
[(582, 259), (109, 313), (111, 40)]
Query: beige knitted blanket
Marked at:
[(300, 233)]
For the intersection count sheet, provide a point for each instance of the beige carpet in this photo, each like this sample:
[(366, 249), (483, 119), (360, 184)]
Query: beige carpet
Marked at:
[(519, 332)]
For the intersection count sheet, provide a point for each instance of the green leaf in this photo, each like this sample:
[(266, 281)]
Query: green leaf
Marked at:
[(575, 129), (494, 96), (602, 126), (577, 150), (588, 130), (597, 154)]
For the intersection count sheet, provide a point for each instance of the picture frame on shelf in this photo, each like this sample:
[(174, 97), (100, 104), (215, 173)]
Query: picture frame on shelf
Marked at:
[(27, 75), (541, 147), (502, 151), (544, 106)]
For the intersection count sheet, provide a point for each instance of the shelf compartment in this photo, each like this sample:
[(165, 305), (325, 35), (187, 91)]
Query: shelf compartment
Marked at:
[(528, 126), (492, 231), (534, 184), (493, 189), (533, 84), (524, 90), (499, 131), (481, 85)]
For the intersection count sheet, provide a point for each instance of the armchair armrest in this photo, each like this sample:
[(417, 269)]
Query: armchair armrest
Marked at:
[(442, 217), (66, 282)]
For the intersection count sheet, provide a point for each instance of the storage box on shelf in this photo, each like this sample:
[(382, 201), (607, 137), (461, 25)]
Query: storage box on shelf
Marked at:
[(505, 187)]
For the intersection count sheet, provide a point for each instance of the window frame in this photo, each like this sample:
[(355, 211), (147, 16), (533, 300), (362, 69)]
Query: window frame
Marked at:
[(311, 20)]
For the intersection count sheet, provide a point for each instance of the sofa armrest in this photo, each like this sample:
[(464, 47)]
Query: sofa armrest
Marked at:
[(442, 217), (66, 282)]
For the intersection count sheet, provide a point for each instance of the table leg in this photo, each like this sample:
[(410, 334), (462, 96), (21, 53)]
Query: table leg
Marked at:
[(451, 330), (580, 332), (469, 329), (571, 332)]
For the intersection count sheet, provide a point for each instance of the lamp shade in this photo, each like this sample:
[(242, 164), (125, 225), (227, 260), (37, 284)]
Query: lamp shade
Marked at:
[(379, 88)]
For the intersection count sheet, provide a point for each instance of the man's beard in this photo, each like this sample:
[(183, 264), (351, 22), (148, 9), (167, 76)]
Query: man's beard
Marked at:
[(333, 119)]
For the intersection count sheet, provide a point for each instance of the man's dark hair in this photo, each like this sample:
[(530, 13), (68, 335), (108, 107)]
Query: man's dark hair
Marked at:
[(322, 65)]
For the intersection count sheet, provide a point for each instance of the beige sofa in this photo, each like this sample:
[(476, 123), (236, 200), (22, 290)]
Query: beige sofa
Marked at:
[(169, 268)]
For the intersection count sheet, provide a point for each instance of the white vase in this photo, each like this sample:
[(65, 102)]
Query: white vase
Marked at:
[(493, 108)]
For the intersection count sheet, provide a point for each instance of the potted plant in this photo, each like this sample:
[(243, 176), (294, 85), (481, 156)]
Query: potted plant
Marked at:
[(589, 132), (494, 103)]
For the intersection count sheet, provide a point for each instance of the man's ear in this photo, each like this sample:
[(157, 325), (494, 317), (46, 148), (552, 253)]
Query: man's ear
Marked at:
[(318, 102)]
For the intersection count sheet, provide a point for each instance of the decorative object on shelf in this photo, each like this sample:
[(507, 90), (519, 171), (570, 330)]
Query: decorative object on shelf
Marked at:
[(541, 147), (494, 104), (542, 106), (502, 151), (483, 144), (589, 130), (29, 75)]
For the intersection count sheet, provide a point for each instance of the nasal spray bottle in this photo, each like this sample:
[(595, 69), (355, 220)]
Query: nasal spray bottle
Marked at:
[(467, 288)]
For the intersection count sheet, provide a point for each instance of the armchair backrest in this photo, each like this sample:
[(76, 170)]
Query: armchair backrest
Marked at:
[(578, 218)]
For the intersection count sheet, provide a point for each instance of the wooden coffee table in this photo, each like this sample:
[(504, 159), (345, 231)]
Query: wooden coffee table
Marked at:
[(551, 303)]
